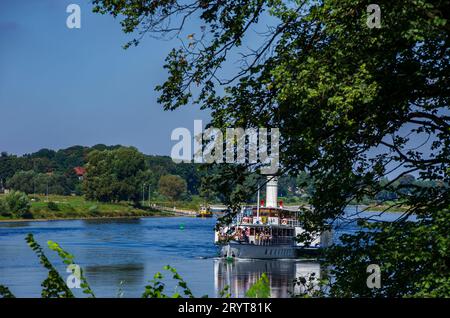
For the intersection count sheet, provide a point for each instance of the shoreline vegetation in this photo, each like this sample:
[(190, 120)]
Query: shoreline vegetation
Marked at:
[(58, 207), (381, 208), (79, 188)]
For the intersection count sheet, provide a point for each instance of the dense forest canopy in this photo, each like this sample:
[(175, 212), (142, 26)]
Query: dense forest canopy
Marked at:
[(54, 171), (31, 172)]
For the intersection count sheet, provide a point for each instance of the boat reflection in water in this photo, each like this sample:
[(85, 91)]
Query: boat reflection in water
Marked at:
[(240, 275)]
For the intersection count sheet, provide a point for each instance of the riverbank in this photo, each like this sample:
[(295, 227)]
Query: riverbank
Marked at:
[(391, 208), (383, 208), (4, 220), (56, 207), (76, 207)]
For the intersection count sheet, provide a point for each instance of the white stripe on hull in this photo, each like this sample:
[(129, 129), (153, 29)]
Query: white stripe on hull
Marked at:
[(258, 251)]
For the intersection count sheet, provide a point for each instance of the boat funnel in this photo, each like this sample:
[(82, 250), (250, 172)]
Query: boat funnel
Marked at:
[(272, 192)]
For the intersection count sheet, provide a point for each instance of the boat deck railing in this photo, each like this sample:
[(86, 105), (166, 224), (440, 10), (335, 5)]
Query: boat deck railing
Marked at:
[(274, 241), (264, 241), (280, 222)]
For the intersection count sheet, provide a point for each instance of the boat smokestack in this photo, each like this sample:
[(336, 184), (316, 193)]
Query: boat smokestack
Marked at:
[(272, 192)]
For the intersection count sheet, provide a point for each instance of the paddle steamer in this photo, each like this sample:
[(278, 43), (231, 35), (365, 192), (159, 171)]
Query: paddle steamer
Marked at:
[(267, 231)]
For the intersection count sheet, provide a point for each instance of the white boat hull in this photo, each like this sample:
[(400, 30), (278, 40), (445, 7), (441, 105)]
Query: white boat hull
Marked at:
[(251, 251)]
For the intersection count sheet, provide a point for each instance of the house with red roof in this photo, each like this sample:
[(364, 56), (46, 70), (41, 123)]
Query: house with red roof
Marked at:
[(80, 172)]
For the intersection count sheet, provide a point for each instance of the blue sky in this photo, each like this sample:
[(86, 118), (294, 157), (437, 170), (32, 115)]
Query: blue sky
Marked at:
[(61, 87)]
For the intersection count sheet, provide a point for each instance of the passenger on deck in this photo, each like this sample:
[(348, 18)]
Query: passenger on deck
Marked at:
[(246, 235)]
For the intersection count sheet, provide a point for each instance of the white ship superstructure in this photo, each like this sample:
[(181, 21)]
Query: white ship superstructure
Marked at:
[(266, 231)]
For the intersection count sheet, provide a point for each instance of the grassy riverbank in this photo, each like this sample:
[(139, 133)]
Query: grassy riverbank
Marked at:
[(76, 207), (57, 207), (384, 208)]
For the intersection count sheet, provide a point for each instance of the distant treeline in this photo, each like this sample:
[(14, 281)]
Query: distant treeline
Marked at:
[(115, 173), (54, 171)]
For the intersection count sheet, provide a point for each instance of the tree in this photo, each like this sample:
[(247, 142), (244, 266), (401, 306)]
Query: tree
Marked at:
[(31, 172), (405, 184), (115, 175), (70, 157), (8, 165), (18, 203), (286, 186), (413, 258), (336, 88), (41, 183), (162, 165), (206, 192), (4, 208), (22, 181), (172, 186), (189, 172)]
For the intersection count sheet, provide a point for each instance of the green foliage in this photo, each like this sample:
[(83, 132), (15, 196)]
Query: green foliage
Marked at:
[(68, 259), (181, 283), (172, 186), (22, 181), (33, 182), (93, 208), (225, 292), (333, 86), (156, 287), (4, 208), (77, 207), (30, 173), (261, 289), (54, 285), (18, 203), (52, 206), (413, 258), (5, 292), (8, 166), (115, 175)]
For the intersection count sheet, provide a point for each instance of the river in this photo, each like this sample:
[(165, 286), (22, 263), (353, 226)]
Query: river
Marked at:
[(120, 256)]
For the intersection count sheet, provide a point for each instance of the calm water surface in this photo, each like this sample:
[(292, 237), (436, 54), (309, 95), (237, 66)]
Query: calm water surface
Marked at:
[(120, 256)]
